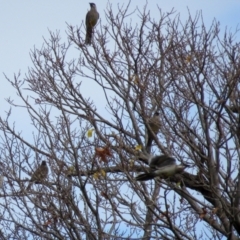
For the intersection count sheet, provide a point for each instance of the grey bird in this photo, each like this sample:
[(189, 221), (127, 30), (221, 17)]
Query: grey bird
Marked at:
[(39, 175), (91, 20), (162, 166), (154, 124)]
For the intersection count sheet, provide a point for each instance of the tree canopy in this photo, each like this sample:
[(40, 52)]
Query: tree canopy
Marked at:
[(89, 108)]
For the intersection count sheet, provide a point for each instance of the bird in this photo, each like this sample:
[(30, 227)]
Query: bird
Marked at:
[(154, 124), (91, 20), (39, 175), (162, 166)]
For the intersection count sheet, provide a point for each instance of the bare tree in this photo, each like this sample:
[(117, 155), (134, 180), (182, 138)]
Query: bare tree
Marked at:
[(186, 72)]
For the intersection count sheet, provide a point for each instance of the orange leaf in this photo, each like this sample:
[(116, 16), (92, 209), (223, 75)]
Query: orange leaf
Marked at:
[(103, 194), (203, 213), (47, 223), (103, 153)]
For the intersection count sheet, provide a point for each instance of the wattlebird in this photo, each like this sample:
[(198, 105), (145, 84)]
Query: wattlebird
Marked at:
[(161, 166), (154, 124), (39, 175), (91, 20)]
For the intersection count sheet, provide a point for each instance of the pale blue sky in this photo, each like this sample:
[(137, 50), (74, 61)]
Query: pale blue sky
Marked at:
[(24, 24)]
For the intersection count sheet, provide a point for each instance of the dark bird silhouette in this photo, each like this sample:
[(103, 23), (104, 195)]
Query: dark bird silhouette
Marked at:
[(39, 175), (154, 124), (161, 166), (91, 20)]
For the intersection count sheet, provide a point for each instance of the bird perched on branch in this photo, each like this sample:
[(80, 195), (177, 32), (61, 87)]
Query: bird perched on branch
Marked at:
[(39, 175), (154, 124), (91, 20), (161, 166)]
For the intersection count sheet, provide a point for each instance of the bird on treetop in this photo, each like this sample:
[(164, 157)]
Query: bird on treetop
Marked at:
[(91, 20)]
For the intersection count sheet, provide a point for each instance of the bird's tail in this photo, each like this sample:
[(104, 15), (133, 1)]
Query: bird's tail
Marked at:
[(145, 176), (149, 143), (89, 33)]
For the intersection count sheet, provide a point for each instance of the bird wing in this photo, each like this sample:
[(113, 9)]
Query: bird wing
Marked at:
[(169, 170), (157, 162), (92, 18), (145, 176), (166, 171)]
